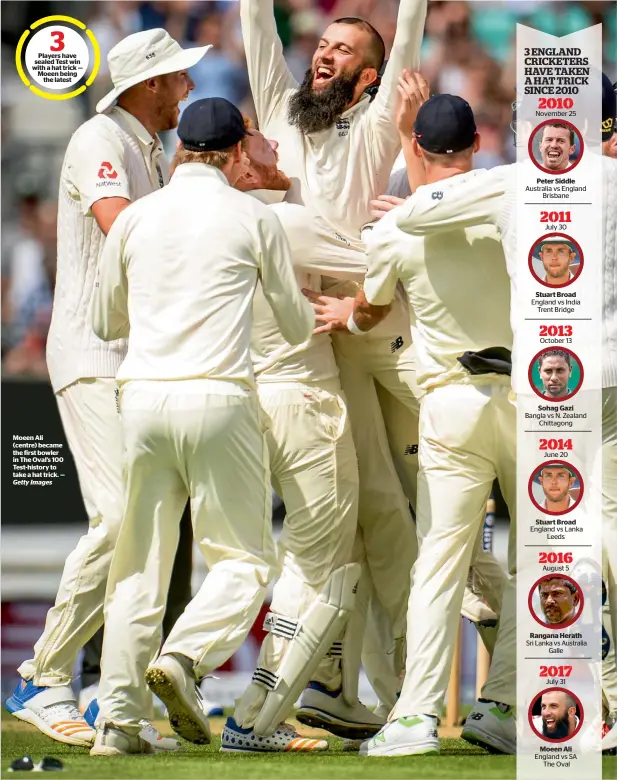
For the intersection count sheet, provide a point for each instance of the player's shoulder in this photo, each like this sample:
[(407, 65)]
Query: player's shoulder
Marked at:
[(98, 132)]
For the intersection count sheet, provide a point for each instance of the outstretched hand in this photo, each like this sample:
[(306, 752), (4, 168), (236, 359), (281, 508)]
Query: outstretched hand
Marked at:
[(413, 90)]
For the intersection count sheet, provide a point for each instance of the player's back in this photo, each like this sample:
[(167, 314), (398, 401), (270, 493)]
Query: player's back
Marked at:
[(192, 255), (459, 291)]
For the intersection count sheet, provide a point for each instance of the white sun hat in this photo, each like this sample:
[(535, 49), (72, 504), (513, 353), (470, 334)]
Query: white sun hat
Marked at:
[(142, 56)]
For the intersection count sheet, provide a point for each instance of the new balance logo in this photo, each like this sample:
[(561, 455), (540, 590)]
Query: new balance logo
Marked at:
[(106, 171), (411, 449), (397, 344), (475, 716)]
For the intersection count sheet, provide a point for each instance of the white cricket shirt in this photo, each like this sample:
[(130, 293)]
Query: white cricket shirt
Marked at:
[(180, 268), (441, 275), (111, 155), (339, 170)]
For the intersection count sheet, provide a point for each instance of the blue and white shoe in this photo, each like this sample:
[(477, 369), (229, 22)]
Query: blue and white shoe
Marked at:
[(324, 709), (285, 739), (52, 710), (148, 732), (409, 736)]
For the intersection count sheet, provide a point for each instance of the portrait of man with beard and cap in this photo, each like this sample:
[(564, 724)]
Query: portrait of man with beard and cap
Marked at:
[(559, 715)]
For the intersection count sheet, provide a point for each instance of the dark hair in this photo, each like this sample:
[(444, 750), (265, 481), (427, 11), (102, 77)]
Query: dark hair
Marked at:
[(377, 48), (563, 127), (554, 353), (571, 587)]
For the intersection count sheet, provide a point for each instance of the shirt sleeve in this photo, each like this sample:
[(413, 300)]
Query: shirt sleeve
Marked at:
[(269, 77), (474, 200), (110, 314), (292, 311), (382, 275), (97, 169), (405, 53)]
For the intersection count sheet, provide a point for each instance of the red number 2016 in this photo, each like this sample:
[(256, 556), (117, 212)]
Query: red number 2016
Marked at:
[(58, 37), (553, 557)]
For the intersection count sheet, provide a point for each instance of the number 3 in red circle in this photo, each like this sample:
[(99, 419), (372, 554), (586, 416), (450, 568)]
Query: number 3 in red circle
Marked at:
[(58, 37)]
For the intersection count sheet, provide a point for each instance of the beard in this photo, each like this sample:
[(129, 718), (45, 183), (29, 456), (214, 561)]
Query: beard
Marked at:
[(312, 112), (271, 178), (562, 728)]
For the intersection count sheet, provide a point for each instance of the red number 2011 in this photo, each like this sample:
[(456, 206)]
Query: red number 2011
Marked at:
[(58, 37), (555, 216)]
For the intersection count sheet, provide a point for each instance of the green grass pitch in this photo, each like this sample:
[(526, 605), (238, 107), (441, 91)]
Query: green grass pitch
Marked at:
[(458, 761)]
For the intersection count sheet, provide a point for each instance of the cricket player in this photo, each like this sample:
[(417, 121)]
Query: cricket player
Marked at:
[(556, 147), (112, 160), (559, 600), (556, 482), (180, 275), (557, 257), (558, 718), (489, 197), (463, 363), (555, 369), (314, 470)]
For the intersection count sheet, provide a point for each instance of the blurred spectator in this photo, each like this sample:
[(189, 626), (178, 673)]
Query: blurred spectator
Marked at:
[(28, 273)]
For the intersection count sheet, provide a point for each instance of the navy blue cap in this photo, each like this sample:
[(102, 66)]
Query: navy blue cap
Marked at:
[(609, 108), (211, 124), (445, 124)]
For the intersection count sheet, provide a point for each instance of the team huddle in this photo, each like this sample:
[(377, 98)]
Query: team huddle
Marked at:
[(269, 312)]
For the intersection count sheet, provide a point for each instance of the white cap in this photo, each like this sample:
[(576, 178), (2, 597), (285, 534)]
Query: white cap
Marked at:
[(142, 56)]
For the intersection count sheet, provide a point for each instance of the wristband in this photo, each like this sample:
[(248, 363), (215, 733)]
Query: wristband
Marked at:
[(353, 328)]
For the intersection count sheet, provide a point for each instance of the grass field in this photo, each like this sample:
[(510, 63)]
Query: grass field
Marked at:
[(458, 761)]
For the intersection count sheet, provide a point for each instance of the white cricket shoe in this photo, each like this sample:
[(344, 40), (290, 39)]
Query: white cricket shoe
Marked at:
[(491, 725), (284, 740), (148, 732), (112, 741), (415, 735), (177, 688), (327, 710), (52, 710), (86, 696)]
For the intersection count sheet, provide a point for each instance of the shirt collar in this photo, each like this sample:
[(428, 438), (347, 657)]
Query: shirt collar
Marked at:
[(198, 170), (139, 131)]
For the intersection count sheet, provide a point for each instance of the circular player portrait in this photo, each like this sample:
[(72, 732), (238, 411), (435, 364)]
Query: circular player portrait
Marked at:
[(556, 487), (556, 260), (556, 374), (556, 601), (556, 146), (556, 715)]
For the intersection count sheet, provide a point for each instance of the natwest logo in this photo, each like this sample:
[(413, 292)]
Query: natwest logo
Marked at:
[(106, 171)]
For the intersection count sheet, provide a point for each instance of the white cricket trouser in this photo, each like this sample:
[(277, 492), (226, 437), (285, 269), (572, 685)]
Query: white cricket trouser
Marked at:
[(92, 428), (199, 439), (314, 470), (467, 438)]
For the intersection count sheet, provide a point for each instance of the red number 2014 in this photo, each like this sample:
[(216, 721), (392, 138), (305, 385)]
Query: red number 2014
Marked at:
[(555, 671), (58, 37)]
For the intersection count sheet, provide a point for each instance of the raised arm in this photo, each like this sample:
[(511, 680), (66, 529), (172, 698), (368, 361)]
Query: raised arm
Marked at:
[(405, 53), (270, 78), (110, 314), (474, 198), (292, 312)]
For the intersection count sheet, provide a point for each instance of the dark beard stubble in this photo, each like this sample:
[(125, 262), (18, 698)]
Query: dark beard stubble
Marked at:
[(312, 112)]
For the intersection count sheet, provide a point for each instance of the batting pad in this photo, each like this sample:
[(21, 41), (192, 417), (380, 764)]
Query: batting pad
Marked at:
[(311, 638)]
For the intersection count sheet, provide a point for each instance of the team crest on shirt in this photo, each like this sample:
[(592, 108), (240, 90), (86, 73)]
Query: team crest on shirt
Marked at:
[(343, 125)]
